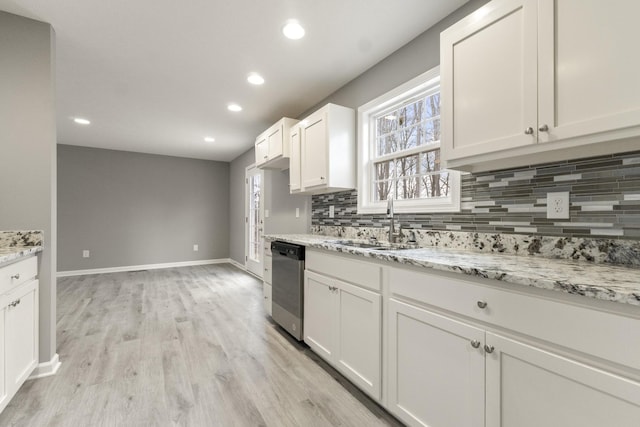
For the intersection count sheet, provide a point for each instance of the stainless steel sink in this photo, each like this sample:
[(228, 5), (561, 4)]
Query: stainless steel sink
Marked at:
[(372, 246)]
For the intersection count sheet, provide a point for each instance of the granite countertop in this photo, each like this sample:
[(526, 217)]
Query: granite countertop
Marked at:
[(14, 253), (16, 244), (605, 282)]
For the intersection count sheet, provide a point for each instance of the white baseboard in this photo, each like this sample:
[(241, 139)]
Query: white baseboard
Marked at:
[(46, 369), (237, 264), (145, 267)]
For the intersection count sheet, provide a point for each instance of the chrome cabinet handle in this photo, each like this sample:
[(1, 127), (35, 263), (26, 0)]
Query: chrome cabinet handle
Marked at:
[(482, 304), (322, 178), (544, 128), (475, 343), (266, 157), (489, 348), (528, 131), (16, 276), (16, 302)]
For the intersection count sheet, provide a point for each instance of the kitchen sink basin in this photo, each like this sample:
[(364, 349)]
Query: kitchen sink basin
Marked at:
[(373, 246)]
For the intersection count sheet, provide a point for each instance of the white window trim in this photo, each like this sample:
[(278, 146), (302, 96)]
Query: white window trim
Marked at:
[(365, 147)]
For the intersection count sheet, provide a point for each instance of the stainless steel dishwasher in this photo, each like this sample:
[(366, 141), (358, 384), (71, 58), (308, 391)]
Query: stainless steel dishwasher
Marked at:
[(287, 283)]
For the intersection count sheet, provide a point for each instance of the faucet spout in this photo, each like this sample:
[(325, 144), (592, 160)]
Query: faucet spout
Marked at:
[(390, 215)]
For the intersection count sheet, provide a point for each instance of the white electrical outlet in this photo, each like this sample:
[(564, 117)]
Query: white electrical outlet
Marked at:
[(332, 211), (266, 213), (558, 205), (195, 248), (297, 212), (85, 254)]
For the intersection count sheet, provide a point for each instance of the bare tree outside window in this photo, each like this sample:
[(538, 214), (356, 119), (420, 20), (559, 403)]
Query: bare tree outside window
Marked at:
[(407, 151)]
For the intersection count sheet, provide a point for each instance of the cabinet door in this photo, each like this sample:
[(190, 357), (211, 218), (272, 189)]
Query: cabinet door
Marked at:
[(266, 295), (262, 149), (530, 387), (294, 161), (436, 376), (4, 395), (359, 333), (320, 314), (274, 141), (21, 334), (489, 80), (588, 67), (314, 151)]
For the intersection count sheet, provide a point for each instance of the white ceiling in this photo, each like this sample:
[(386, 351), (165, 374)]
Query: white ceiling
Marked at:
[(156, 76)]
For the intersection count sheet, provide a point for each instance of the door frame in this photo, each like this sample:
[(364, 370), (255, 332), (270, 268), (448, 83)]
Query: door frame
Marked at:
[(252, 266)]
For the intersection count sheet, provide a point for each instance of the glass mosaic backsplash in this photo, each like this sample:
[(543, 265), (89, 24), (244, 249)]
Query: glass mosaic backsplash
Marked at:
[(604, 202)]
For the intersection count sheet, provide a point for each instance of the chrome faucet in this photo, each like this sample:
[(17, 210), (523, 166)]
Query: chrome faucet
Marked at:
[(390, 214)]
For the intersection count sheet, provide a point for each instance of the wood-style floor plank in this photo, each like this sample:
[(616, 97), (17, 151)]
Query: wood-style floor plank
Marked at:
[(187, 346)]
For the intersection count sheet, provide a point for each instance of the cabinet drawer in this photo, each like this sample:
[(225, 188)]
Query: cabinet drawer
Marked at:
[(17, 273), (266, 276), (365, 274), (602, 334)]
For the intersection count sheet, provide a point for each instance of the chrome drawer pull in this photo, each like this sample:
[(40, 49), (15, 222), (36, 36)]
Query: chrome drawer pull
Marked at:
[(16, 276), (16, 302), (482, 304), (489, 348), (475, 343)]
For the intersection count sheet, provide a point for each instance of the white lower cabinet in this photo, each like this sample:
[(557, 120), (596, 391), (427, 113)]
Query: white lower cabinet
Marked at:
[(266, 277), (342, 324), (18, 326), (21, 327), (530, 387), (436, 375)]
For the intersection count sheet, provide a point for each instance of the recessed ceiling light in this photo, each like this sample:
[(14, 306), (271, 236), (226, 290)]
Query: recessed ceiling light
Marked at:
[(234, 107), (293, 30), (209, 139), (255, 79), (81, 121)]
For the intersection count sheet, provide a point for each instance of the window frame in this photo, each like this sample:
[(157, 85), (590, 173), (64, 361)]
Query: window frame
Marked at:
[(366, 151)]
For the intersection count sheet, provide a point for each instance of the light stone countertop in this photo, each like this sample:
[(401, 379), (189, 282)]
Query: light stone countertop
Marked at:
[(10, 254), (605, 282)]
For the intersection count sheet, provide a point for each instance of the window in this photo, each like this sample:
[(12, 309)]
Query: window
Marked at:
[(399, 151)]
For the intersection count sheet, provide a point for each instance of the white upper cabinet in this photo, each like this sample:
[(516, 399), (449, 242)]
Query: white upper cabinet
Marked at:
[(294, 160), (527, 81), (272, 145), (328, 161)]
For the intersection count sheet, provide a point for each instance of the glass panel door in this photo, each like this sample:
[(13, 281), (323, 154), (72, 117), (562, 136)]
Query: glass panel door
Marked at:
[(254, 220)]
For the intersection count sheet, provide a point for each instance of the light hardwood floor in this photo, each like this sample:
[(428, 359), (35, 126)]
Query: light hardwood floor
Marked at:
[(183, 346)]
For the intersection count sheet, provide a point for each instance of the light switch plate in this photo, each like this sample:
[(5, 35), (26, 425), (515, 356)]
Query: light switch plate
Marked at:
[(85, 254), (558, 205), (297, 212), (266, 213)]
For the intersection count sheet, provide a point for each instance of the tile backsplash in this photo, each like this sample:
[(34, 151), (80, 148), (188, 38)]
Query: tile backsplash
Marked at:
[(604, 202)]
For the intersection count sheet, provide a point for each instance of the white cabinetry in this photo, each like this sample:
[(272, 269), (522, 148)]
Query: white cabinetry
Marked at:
[(328, 161), (531, 387), (18, 326), (452, 363), (343, 321), (527, 81), (436, 375), (266, 277), (272, 145), (294, 161)]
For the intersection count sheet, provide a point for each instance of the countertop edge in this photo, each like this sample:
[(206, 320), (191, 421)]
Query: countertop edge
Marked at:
[(17, 253)]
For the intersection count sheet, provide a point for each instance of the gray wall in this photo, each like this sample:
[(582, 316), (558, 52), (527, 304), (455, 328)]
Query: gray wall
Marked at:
[(236, 204), (133, 209), (411, 60), (277, 200), (27, 150), (419, 55)]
